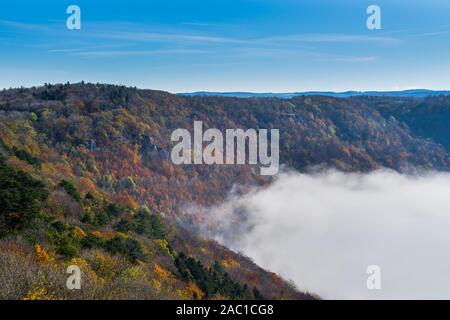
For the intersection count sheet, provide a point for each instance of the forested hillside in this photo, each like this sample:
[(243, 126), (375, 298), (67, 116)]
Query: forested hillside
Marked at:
[(86, 179)]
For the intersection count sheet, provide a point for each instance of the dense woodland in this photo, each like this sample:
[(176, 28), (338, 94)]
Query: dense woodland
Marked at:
[(86, 179)]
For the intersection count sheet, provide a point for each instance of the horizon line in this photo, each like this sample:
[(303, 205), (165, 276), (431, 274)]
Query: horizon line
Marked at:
[(200, 91)]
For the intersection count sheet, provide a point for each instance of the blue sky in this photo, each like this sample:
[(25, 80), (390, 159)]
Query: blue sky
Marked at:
[(228, 45)]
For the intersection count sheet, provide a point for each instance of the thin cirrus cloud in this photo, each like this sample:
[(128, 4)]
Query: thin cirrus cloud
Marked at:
[(120, 53), (332, 38), (134, 32), (198, 38), (25, 26), (431, 34), (141, 36), (269, 46), (131, 33), (354, 59)]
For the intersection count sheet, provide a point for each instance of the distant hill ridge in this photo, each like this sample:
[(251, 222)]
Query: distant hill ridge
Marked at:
[(412, 93)]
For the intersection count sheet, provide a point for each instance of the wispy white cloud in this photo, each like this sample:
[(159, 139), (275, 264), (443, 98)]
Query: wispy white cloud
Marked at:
[(64, 50), (124, 34), (180, 37), (26, 26), (431, 34), (131, 39), (143, 36), (354, 59), (120, 53), (331, 38), (207, 24)]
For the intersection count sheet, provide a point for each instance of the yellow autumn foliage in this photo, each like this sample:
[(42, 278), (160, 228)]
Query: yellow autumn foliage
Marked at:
[(184, 294), (193, 288), (79, 233), (134, 273), (163, 246), (230, 263), (39, 293), (105, 266), (156, 284), (83, 264), (43, 257), (105, 235), (190, 291)]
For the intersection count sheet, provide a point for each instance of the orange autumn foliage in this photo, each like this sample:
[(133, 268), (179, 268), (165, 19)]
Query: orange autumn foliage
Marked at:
[(43, 257), (161, 272)]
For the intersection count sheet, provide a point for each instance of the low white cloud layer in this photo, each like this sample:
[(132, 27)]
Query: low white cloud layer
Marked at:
[(324, 230)]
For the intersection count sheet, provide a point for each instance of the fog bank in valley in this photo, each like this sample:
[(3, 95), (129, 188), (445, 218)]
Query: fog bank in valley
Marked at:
[(323, 230)]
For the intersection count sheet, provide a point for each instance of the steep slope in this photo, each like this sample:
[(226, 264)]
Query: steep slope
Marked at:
[(108, 198), (427, 118), (72, 189)]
